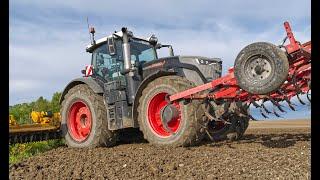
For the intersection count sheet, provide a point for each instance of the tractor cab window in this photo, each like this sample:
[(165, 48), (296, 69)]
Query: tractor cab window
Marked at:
[(106, 66), (142, 51), (109, 66)]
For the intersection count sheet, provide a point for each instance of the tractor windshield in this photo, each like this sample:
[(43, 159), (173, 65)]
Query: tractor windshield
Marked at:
[(105, 65), (109, 66)]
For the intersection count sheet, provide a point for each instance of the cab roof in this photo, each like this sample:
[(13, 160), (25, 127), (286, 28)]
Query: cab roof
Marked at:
[(116, 35)]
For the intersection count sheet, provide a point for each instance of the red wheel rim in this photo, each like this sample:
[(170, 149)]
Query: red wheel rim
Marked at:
[(79, 121), (154, 116)]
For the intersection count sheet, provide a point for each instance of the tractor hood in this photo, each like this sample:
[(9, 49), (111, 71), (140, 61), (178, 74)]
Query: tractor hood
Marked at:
[(197, 69), (210, 68)]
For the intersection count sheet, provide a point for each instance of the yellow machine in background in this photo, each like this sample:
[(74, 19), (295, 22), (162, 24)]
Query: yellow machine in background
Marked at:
[(40, 118), (45, 117), (12, 120)]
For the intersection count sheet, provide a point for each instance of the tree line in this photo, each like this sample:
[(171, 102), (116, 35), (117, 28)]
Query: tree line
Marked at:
[(21, 112)]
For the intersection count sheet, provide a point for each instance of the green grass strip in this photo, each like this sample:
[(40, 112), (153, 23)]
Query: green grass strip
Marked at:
[(19, 152)]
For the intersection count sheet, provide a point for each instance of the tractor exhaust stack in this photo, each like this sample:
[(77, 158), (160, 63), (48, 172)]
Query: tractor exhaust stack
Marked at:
[(129, 73), (126, 50)]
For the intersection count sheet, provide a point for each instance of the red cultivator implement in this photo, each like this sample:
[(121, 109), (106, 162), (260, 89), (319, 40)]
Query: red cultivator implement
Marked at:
[(263, 72)]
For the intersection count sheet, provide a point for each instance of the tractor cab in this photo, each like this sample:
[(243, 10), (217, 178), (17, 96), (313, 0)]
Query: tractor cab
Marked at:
[(108, 58)]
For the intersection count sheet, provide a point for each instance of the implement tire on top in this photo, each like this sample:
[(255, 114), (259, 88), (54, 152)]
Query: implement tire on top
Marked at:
[(84, 119), (186, 126), (261, 68)]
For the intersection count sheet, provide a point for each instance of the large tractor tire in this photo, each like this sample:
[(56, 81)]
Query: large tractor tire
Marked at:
[(237, 116), (185, 128), (84, 119), (261, 68)]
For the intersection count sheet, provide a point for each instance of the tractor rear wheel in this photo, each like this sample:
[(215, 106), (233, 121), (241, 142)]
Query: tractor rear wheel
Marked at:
[(181, 130), (84, 119), (261, 68)]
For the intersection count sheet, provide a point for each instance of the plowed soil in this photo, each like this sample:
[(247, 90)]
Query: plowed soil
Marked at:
[(263, 153)]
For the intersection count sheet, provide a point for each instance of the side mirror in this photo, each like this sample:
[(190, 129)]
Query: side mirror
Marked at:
[(111, 46), (171, 51)]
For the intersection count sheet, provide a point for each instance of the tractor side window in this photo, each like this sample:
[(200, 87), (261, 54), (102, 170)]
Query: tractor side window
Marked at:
[(147, 55), (142, 51), (105, 65)]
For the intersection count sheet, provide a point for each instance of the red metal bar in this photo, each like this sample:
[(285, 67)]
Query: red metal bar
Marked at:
[(203, 87), (294, 45), (191, 91), (230, 92)]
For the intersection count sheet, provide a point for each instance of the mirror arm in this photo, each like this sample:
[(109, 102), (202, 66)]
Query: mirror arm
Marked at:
[(158, 46)]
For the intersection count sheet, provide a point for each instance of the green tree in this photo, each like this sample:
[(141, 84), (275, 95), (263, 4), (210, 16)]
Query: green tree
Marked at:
[(21, 112), (55, 105), (42, 104)]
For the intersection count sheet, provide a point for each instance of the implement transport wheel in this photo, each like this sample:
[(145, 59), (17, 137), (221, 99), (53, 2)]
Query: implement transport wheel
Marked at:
[(261, 68), (84, 119), (239, 122), (182, 128)]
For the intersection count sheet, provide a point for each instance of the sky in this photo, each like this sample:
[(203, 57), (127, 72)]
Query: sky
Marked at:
[(47, 39)]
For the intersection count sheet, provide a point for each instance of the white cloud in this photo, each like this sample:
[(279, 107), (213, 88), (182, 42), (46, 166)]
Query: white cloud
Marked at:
[(23, 85)]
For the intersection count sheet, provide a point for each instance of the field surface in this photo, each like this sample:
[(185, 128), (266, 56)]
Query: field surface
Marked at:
[(268, 150)]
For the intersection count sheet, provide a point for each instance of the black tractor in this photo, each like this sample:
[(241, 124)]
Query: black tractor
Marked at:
[(129, 88)]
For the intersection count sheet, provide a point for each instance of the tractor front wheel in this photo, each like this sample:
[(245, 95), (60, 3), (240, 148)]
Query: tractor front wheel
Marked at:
[(84, 119)]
